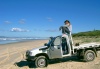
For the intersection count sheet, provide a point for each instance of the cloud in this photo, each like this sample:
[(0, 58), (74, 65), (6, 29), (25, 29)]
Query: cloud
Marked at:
[(22, 21), (7, 22), (18, 30), (49, 19), (52, 30)]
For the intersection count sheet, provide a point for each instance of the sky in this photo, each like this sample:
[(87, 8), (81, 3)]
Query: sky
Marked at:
[(42, 18)]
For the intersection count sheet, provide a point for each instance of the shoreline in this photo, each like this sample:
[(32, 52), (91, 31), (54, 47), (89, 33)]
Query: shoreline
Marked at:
[(23, 41), (16, 52)]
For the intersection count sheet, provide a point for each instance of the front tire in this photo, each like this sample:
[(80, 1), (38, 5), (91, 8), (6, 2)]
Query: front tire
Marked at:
[(89, 56), (41, 62)]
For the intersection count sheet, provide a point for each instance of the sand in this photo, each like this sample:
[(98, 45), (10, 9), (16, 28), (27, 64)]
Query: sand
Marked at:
[(12, 56)]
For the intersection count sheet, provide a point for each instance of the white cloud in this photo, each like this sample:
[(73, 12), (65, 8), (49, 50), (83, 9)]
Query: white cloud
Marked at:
[(7, 22), (49, 19), (19, 30), (22, 21)]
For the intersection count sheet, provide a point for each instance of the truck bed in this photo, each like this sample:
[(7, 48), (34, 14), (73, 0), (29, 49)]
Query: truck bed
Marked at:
[(88, 45)]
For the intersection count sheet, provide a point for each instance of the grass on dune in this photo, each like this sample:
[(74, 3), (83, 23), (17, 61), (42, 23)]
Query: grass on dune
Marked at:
[(85, 39)]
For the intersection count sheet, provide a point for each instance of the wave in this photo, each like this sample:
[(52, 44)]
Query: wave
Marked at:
[(20, 38), (17, 39)]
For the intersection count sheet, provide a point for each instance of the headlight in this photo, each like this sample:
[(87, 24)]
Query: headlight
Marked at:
[(30, 53), (27, 52)]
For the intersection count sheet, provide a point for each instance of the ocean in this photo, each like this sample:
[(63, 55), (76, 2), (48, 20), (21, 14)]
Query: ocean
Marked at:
[(17, 39)]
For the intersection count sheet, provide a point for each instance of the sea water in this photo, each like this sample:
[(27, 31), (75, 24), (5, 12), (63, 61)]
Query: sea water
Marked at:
[(13, 40)]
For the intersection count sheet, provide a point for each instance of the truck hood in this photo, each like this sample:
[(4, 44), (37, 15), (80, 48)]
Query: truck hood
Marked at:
[(39, 48)]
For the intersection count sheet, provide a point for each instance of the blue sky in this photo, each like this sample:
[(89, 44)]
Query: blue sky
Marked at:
[(42, 18)]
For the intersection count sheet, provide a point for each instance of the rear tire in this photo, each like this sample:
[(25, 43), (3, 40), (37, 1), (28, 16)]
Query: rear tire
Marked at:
[(41, 62), (89, 56)]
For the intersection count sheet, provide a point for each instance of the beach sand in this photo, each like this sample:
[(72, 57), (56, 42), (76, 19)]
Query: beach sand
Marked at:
[(12, 56)]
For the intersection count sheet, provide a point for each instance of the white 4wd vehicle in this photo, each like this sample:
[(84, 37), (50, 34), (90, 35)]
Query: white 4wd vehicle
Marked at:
[(53, 49)]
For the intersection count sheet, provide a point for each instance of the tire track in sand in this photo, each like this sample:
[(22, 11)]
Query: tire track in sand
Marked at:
[(9, 55)]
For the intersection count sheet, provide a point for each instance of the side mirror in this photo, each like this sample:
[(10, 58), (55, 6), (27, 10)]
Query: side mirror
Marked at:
[(45, 44)]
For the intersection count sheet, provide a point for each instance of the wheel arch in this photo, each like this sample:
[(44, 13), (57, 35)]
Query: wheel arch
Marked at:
[(82, 51), (42, 54), (93, 49)]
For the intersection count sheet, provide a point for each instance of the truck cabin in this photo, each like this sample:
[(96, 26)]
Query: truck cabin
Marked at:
[(61, 42)]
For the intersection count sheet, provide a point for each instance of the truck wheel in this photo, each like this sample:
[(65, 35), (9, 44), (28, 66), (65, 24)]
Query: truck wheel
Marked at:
[(89, 56), (41, 61)]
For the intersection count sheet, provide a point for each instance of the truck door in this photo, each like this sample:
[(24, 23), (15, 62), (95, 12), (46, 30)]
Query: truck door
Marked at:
[(56, 49)]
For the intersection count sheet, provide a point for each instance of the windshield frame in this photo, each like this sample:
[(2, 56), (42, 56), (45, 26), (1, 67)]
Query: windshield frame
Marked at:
[(51, 40)]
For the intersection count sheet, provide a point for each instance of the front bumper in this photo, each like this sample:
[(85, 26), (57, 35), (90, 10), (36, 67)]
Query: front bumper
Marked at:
[(30, 58)]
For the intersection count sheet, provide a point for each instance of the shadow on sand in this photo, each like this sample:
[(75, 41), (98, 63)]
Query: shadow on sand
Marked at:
[(32, 64)]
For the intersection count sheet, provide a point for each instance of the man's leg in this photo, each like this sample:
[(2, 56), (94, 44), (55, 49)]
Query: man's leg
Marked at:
[(67, 40)]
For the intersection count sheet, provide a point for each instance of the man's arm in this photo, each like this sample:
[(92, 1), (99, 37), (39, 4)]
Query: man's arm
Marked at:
[(60, 28)]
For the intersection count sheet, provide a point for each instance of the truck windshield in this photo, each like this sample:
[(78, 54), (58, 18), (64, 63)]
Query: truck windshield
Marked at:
[(51, 40)]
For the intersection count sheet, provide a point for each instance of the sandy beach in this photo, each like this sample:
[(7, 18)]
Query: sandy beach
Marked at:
[(12, 56)]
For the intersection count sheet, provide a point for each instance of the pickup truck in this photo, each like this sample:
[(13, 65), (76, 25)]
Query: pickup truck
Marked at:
[(54, 50)]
